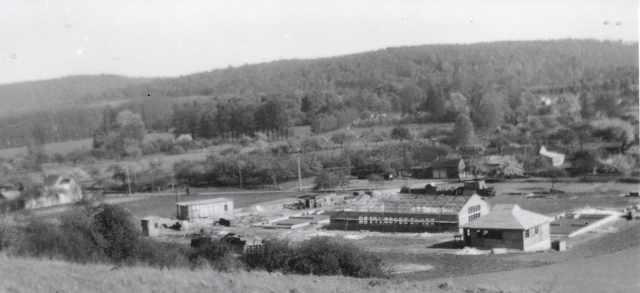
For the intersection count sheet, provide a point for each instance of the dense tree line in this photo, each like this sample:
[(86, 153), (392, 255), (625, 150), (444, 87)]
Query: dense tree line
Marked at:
[(488, 85), (492, 84)]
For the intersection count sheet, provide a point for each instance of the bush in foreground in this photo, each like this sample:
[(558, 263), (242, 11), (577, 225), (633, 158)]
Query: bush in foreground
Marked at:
[(73, 241), (317, 256)]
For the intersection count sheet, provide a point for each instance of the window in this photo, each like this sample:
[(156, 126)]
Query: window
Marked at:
[(474, 209), (526, 233), (474, 216), (226, 208), (536, 230)]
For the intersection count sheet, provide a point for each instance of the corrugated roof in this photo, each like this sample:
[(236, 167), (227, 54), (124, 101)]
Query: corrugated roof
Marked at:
[(346, 215), (204, 201), (508, 216), (411, 203)]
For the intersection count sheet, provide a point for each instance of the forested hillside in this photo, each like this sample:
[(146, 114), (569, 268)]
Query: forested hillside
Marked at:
[(492, 84)]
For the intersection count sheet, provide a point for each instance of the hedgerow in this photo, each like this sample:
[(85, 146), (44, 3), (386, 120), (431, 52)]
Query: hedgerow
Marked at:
[(317, 256)]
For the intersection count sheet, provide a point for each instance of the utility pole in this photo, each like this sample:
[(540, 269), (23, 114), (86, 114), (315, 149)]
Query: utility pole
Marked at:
[(299, 176), (128, 179), (240, 168), (176, 190)]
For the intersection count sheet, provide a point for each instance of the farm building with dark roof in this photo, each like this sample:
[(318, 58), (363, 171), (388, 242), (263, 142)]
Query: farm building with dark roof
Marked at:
[(452, 168)]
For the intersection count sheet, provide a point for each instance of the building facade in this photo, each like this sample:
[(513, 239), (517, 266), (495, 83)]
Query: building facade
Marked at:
[(410, 213), (205, 209), (508, 226)]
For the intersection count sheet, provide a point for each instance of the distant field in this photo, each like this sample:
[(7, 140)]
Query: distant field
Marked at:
[(415, 128), (66, 147)]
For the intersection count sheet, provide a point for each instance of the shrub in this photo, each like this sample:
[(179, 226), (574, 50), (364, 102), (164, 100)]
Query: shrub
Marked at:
[(177, 150), (114, 228), (70, 242), (147, 252), (218, 255), (8, 235), (318, 256)]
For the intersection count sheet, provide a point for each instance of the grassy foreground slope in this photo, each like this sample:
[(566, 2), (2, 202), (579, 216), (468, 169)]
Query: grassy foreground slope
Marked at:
[(608, 273)]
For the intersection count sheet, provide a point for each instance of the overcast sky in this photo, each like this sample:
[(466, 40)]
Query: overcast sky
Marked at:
[(47, 39)]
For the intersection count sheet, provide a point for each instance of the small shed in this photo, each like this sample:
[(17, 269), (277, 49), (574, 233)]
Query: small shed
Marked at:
[(556, 159), (453, 168), (205, 209), (149, 226), (509, 226)]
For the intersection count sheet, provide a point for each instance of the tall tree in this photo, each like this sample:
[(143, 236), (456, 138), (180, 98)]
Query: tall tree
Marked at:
[(401, 133), (462, 133)]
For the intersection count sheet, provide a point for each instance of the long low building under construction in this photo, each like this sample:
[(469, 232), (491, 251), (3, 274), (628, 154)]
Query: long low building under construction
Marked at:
[(402, 212)]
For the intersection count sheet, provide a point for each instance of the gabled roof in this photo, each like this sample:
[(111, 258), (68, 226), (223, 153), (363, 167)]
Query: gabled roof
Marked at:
[(9, 194), (496, 160), (550, 154), (411, 203), (452, 163), (516, 150), (508, 216), (51, 180)]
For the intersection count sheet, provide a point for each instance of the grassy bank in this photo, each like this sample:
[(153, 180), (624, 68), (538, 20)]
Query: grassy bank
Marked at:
[(611, 273)]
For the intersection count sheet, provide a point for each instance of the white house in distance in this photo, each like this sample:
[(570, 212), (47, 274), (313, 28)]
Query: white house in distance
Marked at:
[(509, 226), (215, 208), (556, 158), (58, 189)]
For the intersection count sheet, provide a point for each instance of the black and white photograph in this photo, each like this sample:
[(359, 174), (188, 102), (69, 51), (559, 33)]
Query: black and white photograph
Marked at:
[(353, 146)]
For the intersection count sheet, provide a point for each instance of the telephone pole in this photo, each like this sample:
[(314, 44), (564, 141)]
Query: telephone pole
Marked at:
[(299, 176), (240, 168), (128, 180)]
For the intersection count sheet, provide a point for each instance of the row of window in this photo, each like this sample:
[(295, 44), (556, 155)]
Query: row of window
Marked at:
[(487, 234), (390, 220), (474, 216), (474, 209)]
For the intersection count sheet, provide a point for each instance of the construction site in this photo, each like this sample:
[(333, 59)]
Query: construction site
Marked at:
[(449, 218)]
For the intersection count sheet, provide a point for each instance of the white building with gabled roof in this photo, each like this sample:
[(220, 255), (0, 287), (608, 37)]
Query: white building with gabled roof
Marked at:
[(556, 158), (509, 226)]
